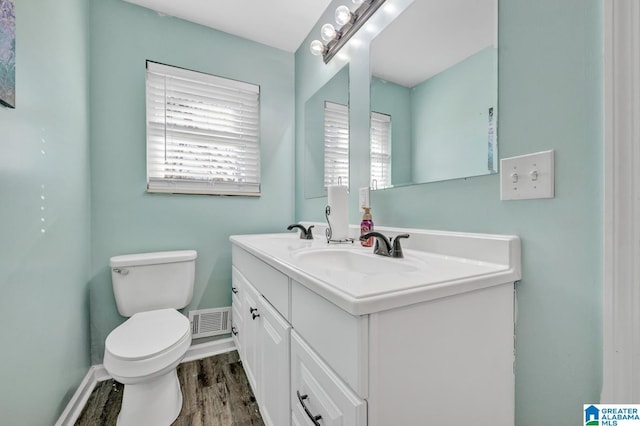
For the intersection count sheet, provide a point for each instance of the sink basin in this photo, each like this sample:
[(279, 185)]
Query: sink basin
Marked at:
[(337, 259)]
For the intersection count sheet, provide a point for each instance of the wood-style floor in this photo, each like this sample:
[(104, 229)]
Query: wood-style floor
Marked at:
[(215, 392)]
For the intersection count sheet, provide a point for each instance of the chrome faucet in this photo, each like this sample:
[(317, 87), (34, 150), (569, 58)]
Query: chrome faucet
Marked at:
[(384, 246), (305, 234)]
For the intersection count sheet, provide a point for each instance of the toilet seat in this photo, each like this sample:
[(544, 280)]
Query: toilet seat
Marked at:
[(146, 344), (152, 332)]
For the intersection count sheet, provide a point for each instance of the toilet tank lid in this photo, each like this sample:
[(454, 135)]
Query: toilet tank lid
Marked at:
[(141, 259)]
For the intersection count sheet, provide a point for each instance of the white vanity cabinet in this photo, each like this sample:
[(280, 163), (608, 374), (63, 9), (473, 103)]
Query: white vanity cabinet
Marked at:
[(445, 356), (262, 338), (292, 384)]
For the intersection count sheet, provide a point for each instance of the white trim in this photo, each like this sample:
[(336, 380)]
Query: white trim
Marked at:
[(183, 73), (621, 298), (79, 398), (97, 373), (204, 350), (100, 373)]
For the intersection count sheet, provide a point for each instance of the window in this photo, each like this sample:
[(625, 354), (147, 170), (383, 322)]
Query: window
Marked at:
[(336, 144), (202, 133), (380, 150)]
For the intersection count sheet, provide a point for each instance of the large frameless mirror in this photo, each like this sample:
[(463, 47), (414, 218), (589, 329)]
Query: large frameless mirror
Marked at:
[(434, 93)]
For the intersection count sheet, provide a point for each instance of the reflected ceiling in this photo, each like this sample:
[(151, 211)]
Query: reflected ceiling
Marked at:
[(442, 33)]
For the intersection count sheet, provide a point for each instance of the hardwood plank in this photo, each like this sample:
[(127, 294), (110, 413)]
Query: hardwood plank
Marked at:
[(188, 377), (103, 405), (242, 401), (215, 392), (95, 403)]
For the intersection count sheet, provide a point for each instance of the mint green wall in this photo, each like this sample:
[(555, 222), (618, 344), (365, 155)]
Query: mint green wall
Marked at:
[(451, 119), (128, 220), (439, 127), (550, 84), (44, 152), (550, 97)]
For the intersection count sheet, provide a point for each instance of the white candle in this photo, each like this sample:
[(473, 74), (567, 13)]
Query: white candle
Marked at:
[(339, 215)]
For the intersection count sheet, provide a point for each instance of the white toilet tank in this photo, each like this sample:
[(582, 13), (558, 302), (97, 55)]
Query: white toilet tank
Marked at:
[(148, 281)]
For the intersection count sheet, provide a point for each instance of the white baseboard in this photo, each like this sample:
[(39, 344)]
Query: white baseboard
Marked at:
[(97, 373), (79, 399), (205, 350)]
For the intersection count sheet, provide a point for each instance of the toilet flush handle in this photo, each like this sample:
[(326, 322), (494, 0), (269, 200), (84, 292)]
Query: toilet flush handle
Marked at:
[(121, 271)]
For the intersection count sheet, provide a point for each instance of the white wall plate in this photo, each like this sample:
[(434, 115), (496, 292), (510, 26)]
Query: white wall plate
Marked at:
[(527, 176)]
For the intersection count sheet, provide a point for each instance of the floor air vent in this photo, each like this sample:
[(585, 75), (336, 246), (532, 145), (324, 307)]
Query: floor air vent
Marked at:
[(210, 322)]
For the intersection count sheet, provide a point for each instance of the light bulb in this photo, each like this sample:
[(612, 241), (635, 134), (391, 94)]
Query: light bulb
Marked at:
[(317, 48), (343, 15), (327, 32)]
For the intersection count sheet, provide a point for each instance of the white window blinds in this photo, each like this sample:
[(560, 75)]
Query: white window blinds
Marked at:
[(336, 144), (380, 150), (202, 133)]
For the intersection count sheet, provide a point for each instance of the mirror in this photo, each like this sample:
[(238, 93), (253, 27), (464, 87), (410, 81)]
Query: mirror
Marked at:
[(434, 73), (325, 115)]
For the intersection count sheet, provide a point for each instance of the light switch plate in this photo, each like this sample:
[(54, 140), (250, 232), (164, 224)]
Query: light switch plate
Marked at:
[(527, 176)]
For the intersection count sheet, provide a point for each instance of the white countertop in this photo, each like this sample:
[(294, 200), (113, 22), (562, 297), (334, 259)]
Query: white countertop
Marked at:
[(436, 264)]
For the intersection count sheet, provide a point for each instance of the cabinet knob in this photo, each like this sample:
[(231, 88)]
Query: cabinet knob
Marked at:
[(252, 312)]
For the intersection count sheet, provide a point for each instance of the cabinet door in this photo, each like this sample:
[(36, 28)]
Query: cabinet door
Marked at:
[(237, 310), (339, 338), (250, 341), (318, 396), (264, 347), (273, 374)]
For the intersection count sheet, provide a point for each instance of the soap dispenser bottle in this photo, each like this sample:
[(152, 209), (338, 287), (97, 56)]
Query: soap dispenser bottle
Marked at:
[(366, 226)]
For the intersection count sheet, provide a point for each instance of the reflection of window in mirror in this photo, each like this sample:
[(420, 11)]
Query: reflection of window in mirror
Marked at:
[(380, 150), (336, 144)]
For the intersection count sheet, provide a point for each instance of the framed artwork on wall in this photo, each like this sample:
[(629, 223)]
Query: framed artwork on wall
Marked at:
[(7, 53)]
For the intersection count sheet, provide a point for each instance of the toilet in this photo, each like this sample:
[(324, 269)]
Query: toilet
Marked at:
[(143, 352)]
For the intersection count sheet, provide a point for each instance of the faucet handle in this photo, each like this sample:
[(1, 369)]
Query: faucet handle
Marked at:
[(380, 249), (309, 235), (305, 234), (396, 250)]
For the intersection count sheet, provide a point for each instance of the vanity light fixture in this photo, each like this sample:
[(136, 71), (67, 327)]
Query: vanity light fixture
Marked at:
[(349, 23), (317, 48), (344, 16), (328, 32)]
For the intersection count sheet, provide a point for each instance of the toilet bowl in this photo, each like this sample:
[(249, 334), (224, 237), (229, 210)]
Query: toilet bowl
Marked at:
[(147, 368), (143, 352)]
